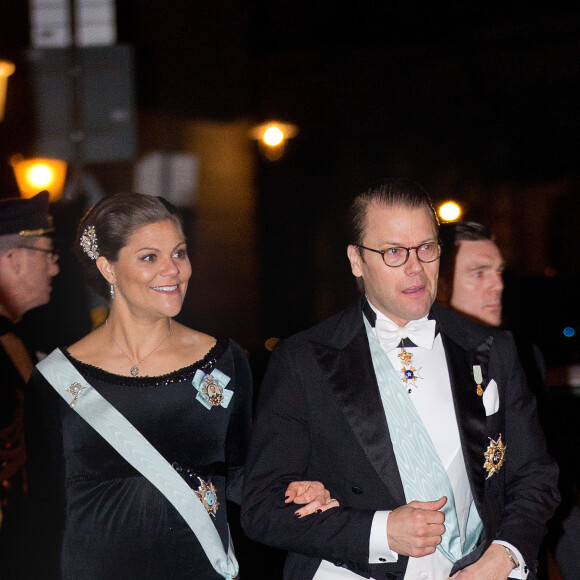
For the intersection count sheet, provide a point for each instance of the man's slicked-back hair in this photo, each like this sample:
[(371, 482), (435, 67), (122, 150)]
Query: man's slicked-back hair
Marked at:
[(387, 192), (465, 231), (451, 234)]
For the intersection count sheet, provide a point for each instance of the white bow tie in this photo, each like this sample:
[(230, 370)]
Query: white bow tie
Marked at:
[(421, 332)]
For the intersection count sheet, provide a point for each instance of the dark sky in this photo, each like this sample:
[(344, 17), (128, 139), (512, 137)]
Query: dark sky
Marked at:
[(492, 85), (488, 91)]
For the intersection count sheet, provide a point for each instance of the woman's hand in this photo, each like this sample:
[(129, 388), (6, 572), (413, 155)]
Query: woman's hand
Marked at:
[(313, 494)]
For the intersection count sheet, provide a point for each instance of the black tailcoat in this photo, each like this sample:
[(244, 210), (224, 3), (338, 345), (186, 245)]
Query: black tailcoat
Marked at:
[(320, 417)]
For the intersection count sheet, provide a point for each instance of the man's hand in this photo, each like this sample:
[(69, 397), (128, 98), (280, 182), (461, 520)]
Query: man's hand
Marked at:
[(415, 529), (312, 493), (494, 564)]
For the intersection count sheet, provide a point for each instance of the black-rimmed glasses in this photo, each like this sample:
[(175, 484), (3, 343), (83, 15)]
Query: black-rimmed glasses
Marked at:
[(51, 254), (398, 255)]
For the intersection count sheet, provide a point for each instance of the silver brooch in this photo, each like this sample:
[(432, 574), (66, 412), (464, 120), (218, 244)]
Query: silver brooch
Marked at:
[(76, 390), (89, 243)]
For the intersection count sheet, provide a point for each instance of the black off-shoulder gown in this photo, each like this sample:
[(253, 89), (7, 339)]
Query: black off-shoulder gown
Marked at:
[(93, 516)]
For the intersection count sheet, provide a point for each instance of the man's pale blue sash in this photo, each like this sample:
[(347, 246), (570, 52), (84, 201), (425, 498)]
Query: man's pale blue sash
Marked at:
[(133, 447), (423, 476)]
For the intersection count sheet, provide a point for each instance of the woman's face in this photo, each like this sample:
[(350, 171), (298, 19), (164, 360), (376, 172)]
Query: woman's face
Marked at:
[(153, 270)]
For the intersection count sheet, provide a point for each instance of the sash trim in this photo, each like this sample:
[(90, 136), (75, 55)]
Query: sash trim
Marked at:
[(138, 452)]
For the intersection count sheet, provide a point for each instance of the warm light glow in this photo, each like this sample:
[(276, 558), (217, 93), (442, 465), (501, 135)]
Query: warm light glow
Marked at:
[(6, 69), (449, 211), (35, 175), (40, 175), (273, 136)]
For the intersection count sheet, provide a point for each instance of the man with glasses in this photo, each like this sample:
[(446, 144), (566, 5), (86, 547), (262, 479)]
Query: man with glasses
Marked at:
[(28, 262), (415, 418)]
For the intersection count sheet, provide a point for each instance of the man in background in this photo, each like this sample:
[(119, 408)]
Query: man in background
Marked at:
[(470, 273), (471, 282), (28, 263)]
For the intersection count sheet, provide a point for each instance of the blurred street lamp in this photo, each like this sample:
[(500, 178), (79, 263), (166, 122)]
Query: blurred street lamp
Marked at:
[(6, 69), (38, 174), (449, 211), (272, 138)]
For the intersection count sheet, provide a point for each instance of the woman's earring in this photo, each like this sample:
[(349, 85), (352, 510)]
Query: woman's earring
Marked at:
[(112, 292)]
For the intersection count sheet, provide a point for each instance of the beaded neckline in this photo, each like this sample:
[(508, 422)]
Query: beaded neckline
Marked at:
[(207, 363)]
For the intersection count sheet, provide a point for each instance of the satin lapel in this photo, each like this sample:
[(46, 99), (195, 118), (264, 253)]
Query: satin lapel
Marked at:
[(351, 375), (469, 408)]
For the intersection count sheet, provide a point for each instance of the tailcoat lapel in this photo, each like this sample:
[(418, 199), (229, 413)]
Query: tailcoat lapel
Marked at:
[(346, 360), (349, 371), (461, 355)]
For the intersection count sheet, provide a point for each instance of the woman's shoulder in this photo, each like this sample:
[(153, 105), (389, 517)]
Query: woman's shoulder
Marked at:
[(84, 348), (214, 347), (193, 339)]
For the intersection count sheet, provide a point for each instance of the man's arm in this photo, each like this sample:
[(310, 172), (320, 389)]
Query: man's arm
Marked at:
[(531, 476), (494, 564), (530, 490), (282, 451)]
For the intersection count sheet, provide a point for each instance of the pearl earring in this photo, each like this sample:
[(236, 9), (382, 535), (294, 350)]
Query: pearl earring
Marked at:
[(112, 292)]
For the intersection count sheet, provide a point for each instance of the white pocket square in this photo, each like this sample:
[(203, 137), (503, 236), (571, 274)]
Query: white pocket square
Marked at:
[(491, 398)]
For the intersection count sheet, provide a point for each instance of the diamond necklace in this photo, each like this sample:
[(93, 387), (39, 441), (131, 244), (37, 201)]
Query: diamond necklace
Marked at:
[(135, 368)]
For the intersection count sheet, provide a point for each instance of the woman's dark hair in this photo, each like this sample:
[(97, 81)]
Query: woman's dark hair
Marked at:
[(114, 220)]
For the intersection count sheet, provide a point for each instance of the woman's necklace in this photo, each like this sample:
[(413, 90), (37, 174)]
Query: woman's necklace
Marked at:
[(135, 368)]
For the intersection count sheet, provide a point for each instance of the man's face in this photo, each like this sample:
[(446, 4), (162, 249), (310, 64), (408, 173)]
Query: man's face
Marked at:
[(39, 269), (477, 281), (407, 292)]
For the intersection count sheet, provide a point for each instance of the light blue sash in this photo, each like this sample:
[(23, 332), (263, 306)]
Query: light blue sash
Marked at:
[(422, 473), (133, 447)]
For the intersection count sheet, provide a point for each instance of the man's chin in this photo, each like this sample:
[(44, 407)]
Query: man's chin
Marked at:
[(492, 317), (44, 300), (486, 318)]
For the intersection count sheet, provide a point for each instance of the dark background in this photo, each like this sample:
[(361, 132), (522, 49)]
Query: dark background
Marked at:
[(478, 103)]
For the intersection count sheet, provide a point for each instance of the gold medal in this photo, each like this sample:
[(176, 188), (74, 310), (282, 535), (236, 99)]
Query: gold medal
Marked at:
[(494, 456), (405, 356), (408, 372), (478, 377), (212, 390), (207, 494)]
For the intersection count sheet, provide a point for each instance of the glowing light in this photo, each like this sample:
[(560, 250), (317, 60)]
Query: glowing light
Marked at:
[(40, 175), (273, 136), (449, 211), (569, 332), (6, 69), (35, 175)]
